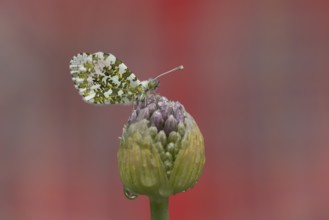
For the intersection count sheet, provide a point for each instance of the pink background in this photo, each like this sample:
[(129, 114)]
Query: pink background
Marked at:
[(256, 80)]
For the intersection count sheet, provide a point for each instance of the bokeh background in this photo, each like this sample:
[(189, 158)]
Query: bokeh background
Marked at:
[(256, 80)]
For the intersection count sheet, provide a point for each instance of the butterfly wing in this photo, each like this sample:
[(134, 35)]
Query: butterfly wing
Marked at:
[(101, 78)]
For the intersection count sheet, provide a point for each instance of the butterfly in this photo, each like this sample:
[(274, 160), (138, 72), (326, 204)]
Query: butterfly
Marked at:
[(101, 78)]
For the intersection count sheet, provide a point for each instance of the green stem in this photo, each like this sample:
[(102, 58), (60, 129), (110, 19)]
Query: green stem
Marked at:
[(159, 208)]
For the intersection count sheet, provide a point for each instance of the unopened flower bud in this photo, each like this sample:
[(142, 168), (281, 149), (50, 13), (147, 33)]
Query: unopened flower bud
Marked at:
[(161, 150), (170, 125), (156, 119)]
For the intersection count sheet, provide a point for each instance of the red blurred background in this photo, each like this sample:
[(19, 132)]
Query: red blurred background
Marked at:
[(256, 81)]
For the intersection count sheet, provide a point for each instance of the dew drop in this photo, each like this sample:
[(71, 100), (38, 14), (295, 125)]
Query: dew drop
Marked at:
[(129, 195)]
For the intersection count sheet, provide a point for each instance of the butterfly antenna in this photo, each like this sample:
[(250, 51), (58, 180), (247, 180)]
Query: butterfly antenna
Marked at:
[(176, 68)]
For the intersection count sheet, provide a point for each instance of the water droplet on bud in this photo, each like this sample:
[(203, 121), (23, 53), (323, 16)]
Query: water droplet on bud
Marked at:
[(129, 195)]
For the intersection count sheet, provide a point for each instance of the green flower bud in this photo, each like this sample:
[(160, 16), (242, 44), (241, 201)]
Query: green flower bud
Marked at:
[(161, 150)]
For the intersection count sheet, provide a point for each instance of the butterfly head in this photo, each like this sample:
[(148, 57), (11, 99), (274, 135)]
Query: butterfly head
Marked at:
[(153, 84), (150, 85)]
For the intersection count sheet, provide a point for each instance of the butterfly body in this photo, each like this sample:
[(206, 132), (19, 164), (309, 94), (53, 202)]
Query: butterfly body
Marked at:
[(101, 78)]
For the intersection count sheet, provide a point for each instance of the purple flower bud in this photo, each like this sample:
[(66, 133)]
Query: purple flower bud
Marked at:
[(178, 112), (152, 107), (170, 125), (158, 110), (166, 110), (157, 120)]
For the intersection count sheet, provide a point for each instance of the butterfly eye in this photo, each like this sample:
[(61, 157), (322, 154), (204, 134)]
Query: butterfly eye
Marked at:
[(153, 84)]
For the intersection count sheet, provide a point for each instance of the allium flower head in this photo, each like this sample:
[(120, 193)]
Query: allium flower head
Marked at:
[(161, 150)]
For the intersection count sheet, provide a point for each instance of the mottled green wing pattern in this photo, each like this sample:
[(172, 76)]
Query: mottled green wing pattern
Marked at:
[(101, 78)]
